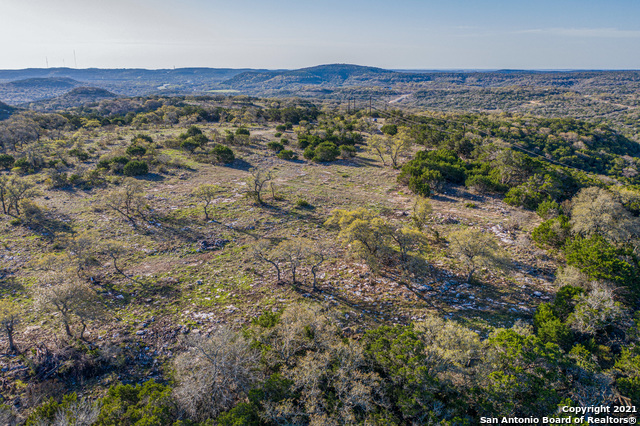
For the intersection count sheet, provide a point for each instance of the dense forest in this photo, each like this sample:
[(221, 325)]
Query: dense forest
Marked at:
[(240, 260)]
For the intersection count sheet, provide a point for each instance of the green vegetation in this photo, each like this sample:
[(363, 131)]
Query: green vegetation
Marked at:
[(167, 262)]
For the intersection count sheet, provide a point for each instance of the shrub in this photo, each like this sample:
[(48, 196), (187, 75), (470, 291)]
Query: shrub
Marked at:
[(80, 154), (103, 164), (119, 160), (22, 165), (597, 258), (284, 141), (243, 131), (189, 145), (281, 128), (553, 232), (275, 146), (135, 168), (303, 204), (484, 184), (277, 134), (287, 154), (193, 131), (6, 161), (347, 151), (326, 151), (136, 150), (550, 329), (149, 403), (389, 129), (548, 209), (308, 153), (141, 138), (222, 154)]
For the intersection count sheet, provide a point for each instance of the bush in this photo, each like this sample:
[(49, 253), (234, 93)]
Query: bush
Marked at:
[(6, 161), (484, 184), (22, 165), (119, 160), (287, 154), (149, 403), (281, 128), (193, 131), (189, 145), (326, 151), (80, 154), (597, 258), (553, 232), (275, 146), (548, 209), (308, 153), (303, 204), (243, 131), (284, 141), (136, 150), (347, 151), (141, 138), (389, 129), (277, 134), (135, 168), (223, 154)]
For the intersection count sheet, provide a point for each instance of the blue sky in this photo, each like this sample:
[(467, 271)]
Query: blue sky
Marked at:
[(454, 34)]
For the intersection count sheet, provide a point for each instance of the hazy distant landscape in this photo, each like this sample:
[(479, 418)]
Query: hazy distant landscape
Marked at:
[(609, 96)]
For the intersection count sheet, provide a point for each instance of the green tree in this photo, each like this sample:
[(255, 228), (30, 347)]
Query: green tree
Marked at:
[(475, 250)]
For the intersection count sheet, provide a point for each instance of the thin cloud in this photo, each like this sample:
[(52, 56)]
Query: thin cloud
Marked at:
[(584, 32)]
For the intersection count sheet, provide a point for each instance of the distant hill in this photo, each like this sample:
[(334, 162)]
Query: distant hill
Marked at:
[(124, 82), (76, 97), (32, 89), (334, 75), (43, 83)]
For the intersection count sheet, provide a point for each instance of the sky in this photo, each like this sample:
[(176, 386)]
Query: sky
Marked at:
[(277, 34)]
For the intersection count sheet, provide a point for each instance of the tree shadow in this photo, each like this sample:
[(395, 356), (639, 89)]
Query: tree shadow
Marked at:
[(240, 164), (151, 177)]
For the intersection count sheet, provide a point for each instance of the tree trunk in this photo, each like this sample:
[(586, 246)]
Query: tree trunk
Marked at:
[(82, 330), (12, 345), (470, 275), (66, 327)]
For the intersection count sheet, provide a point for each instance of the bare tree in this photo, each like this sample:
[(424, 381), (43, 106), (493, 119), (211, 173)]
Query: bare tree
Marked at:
[(206, 193), (263, 252), (317, 256), (294, 251), (256, 182), (115, 251), (127, 200), (82, 250), (215, 373), (9, 319), (75, 302)]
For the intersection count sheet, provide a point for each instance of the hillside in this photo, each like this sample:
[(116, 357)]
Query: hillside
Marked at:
[(260, 261), (30, 89), (74, 98), (6, 111)]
